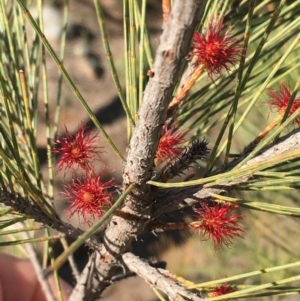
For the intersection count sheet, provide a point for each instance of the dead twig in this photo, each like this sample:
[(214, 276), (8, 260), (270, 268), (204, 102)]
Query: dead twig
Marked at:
[(158, 280)]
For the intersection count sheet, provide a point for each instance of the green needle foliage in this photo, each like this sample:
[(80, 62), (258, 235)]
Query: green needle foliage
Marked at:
[(231, 109)]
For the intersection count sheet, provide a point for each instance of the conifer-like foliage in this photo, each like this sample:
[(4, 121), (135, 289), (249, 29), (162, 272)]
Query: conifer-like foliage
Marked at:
[(212, 114)]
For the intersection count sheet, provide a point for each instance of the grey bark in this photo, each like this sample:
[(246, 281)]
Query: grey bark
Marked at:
[(147, 202), (178, 198), (174, 47), (157, 279)]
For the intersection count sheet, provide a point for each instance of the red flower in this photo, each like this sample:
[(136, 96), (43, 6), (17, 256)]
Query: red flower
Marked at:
[(77, 151), (90, 197), (219, 223), (280, 99), (215, 50), (169, 145), (222, 290)]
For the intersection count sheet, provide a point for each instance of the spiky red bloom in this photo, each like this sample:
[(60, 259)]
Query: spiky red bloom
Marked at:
[(77, 151), (215, 50), (220, 222), (89, 198), (222, 290), (280, 99), (169, 144)]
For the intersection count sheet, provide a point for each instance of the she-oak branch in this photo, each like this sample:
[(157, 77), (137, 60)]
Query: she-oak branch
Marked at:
[(147, 202)]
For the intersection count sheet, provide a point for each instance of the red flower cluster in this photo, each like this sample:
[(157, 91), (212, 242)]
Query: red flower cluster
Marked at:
[(280, 99), (222, 290), (77, 151), (219, 222), (169, 145), (89, 197), (215, 50)]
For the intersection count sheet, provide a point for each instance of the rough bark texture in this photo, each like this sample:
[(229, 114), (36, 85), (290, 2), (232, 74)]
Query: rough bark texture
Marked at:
[(31, 210), (173, 48), (156, 279), (178, 198), (147, 202), (166, 201)]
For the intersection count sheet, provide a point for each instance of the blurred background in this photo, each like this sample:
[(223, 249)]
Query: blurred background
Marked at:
[(269, 240)]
